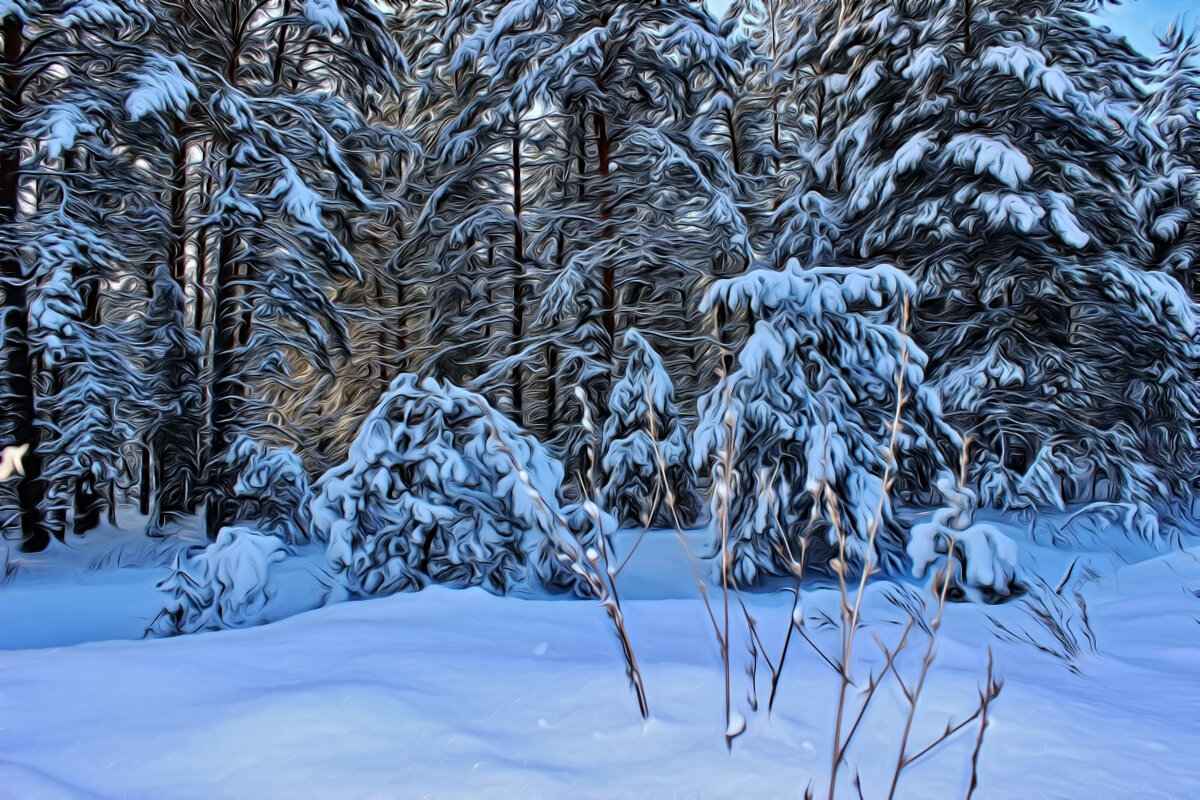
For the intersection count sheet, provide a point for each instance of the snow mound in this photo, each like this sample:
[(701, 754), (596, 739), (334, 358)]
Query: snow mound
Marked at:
[(225, 584), (439, 487)]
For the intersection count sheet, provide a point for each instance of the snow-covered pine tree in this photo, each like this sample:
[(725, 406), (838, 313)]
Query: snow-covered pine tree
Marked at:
[(345, 61), (469, 239), (176, 399), (86, 382), (439, 487), (1167, 200), (993, 151), (763, 120), (156, 122), (271, 492), (224, 584), (826, 408), (645, 459), (17, 387)]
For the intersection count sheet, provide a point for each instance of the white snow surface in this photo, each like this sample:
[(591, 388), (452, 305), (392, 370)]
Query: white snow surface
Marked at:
[(446, 693)]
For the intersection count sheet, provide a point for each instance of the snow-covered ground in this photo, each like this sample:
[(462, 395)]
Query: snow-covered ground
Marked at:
[(458, 694)]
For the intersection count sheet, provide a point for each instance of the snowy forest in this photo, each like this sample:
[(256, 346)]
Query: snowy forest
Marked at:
[(791, 375)]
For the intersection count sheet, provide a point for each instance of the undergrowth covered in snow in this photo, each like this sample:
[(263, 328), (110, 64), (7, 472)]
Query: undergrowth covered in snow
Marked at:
[(440, 488), (226, 584)]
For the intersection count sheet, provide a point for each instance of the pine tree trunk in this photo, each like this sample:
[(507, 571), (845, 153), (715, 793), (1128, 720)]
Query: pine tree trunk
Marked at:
[(551, 421), (53, 514), (608, 279), (382, 335), (111, 489), (177, 238), (401, 323), (172, 462), (245, 325), (735, 150), (17, 364), (198, 310), (87, 496), (518, 278), (401, 319), (551, 424), (968, 10), (88, 503), (281, 39), (226, 390), (230, 329), (146, 491)]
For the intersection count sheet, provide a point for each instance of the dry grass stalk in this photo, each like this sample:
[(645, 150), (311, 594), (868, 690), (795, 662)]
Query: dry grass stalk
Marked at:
[(586, 563), (723, 488), (794, 623), (734, 726), (670, 500), (913, 697), (989, 692)]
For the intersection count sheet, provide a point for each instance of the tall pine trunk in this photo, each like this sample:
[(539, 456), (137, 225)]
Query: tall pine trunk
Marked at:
[(608, 276), (88, 494), (174, 464), (146, 482), (518, 277), (231, 328), (226, 389)]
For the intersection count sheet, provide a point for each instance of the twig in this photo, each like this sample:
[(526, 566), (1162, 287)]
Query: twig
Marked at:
[(798, 569), (873, 685), (724, 490), (985, 698), (914, 697)]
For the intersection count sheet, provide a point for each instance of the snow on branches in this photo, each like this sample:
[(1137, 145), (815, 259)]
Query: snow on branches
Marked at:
[(272, 490), (825, 409), (225, 584), (440, 488), (646, 451)]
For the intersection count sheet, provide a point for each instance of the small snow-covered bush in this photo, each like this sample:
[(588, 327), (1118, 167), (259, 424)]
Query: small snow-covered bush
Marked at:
[(271, 491), (806, 416), (643, 442), (440, 487), (225, 584), (982, 560)]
